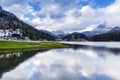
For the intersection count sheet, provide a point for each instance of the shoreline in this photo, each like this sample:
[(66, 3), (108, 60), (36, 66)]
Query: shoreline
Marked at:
[(95, 44)]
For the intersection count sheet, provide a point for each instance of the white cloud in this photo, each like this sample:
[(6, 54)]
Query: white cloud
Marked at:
[(55, 15)]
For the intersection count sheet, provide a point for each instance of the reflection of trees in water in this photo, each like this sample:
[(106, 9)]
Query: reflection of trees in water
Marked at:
[(11, 60), (113, 50)]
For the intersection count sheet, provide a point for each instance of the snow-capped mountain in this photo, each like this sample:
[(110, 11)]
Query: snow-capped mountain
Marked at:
[(117, 28), (98, 30), (101, 27), (112, 35)]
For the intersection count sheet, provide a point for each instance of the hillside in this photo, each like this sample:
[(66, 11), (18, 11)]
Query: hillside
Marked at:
[(10, 21), (48, 32), (75, 37), (112, 35)]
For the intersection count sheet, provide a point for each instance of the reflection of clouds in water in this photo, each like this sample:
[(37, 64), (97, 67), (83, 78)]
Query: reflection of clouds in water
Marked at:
[(36, 76), (97, 44), (68, 64)]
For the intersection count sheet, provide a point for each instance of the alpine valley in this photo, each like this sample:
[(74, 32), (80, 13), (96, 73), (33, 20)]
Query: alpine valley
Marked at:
[(100, 33)]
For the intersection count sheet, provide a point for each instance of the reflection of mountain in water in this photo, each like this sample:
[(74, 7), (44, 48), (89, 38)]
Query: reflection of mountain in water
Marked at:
[(75, 46), (11, 60)]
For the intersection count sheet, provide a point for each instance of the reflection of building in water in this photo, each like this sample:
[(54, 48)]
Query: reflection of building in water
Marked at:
[(12, 60), (9, 34)]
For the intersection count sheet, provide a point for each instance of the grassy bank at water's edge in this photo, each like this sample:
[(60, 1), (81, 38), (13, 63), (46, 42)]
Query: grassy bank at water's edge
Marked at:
[(13, 46)]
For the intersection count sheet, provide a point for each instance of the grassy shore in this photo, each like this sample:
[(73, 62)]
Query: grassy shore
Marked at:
[(13, 46)]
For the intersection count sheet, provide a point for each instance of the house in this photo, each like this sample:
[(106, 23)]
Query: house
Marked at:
[(11, 34)]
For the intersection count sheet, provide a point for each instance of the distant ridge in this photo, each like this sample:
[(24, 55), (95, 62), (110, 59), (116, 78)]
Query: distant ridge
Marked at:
[(75, 36)]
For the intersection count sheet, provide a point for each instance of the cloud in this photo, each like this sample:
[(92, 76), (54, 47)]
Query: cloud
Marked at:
[(65, 15), (54, 15), (67, 4), (6, 3)]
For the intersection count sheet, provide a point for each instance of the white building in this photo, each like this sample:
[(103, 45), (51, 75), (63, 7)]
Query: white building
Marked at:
[(10, 34)]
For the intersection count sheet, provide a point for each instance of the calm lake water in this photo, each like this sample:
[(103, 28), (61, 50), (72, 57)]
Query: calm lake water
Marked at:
[(77, 63)]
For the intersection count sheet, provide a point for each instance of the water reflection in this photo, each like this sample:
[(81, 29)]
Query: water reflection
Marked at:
[(75, 47), (11, 60), (83, 63)]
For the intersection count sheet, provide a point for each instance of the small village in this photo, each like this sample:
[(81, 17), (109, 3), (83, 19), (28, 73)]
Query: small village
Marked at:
[(11, 34)]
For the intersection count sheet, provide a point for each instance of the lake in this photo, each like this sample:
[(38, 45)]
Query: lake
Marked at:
[(80, 62)]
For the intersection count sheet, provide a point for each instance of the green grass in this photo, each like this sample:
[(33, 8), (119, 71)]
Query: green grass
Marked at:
[(13, 46)]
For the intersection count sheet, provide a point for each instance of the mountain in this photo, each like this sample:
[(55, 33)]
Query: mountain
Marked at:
[(112, 35), (100, 27), (10, 21), (75, 36), (117, 28), (59, 34), (48, 32), (98, 30)]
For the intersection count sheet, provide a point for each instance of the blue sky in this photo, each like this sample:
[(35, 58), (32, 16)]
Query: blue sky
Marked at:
[(35, 5), (65, 15), (97, 3)]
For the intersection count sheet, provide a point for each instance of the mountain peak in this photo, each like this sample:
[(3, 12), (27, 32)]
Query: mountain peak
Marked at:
[(100, 27), (6, 13), (98, 30), (75, 33), (117, 28)]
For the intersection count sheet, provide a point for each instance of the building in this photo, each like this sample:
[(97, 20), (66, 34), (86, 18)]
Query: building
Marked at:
[(11, 34)]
